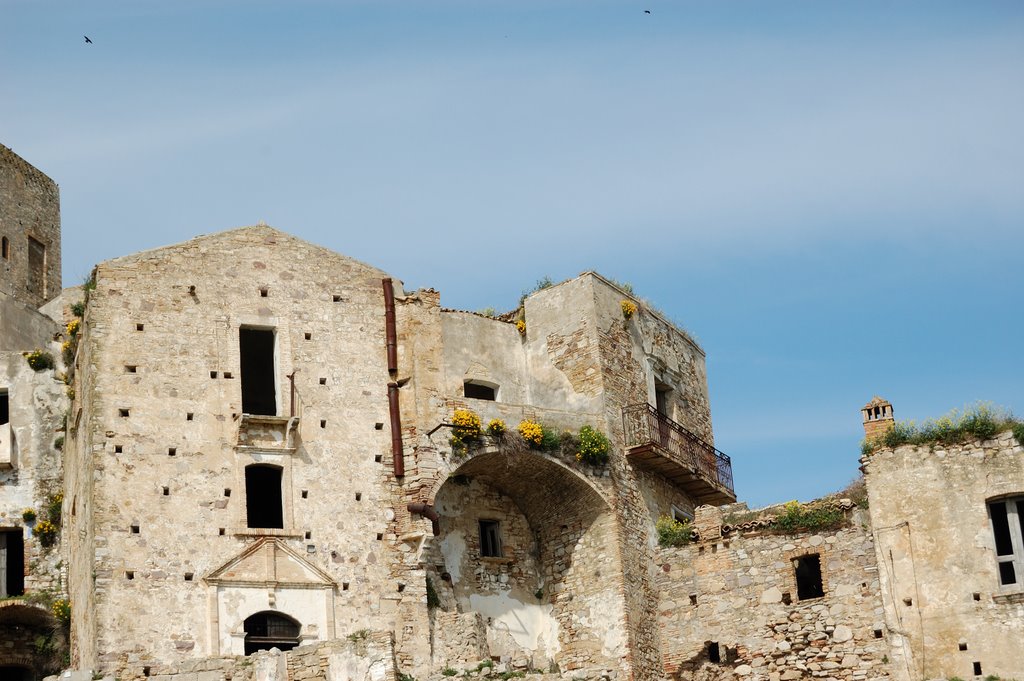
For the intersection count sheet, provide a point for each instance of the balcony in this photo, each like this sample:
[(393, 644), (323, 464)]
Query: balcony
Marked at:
[(274, 434), (658, 443)]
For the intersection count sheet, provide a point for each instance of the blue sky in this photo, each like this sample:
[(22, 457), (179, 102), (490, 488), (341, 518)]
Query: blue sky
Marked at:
[(830, 196)]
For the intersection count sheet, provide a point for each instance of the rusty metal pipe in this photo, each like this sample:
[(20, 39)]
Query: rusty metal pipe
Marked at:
[(389, 326), (428, 512), (397, 454)]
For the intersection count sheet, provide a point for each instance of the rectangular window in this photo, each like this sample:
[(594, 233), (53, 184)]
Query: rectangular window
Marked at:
[(264, 506), (479, 391), (5, 431), (259, 385), (1008, 528), (12, 563), (5, 409), (490, 539), (36, 267), (808, 577)]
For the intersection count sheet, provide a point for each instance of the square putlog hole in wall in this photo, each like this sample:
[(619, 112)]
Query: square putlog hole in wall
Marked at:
[(124, 413), (323, 381), (140, 327), (131, 368), (264, 292)]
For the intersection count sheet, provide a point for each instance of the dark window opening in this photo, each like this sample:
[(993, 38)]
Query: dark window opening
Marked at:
[(263, 507), (962, 646), (490, 539), (5, 248), (479, 391), (661, 394), (259, 387), (266, 630), (5, 409), (714, 654), (977, 669), (12, 563), (13, 672), (1007, 516), (36, 267), (808, 577), (878, 633)]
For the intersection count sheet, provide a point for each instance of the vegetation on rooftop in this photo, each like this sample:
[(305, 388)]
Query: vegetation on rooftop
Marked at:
[(981, 421)]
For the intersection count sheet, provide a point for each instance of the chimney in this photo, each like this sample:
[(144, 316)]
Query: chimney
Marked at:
[(877, 417)]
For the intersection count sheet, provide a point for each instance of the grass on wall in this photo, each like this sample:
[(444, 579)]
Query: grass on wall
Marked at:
[(981, 421)]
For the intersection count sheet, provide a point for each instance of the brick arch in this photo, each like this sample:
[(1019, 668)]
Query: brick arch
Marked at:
[(20, 611)]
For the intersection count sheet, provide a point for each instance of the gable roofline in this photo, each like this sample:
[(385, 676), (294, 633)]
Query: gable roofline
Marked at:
[(323, 580)]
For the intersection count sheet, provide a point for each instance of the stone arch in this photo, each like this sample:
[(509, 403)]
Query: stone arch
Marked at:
[(21, 623), (271, 629), (555, 594)]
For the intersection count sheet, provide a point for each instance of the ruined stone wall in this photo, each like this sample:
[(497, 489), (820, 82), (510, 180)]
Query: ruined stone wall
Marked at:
[(937, 559), (29, 209), (161, 440), (738, 593)]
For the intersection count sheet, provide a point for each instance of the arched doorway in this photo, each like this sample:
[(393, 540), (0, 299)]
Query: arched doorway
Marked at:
[(266, 630)]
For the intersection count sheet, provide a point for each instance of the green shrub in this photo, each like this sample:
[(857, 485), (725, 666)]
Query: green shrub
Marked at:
[(550, 440), (594, 446), (1018, 432), (39, 360), (671, 532), (58, 444), (78, 309), (800, 518), (448, 671), (28, 515)]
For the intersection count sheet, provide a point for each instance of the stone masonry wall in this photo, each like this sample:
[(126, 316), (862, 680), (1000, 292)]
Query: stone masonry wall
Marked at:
[(740, 592), (936, 553), (29, 208)]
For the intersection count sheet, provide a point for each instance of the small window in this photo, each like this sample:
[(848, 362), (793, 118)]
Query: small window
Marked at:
[(12, 563), (490, 539), (5, 249), (808, 577), (5, 409), (266, 630), (1007, 517), (479, 391), (263, 500)]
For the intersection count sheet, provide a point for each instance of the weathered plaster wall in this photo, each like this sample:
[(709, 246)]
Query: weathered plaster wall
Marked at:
[(732, 591), (29, 207), (936, 551)]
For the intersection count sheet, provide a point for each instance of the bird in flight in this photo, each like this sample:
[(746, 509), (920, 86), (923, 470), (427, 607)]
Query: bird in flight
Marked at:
[(646, 11), (87, 39)]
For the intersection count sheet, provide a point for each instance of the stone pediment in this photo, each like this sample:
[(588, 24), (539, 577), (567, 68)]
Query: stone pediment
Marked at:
[(270, 562)]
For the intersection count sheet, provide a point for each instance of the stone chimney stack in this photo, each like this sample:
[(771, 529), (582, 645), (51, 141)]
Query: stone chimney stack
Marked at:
[(877, 417)]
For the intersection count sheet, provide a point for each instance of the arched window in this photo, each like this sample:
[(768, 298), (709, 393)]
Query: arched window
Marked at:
[(266, 630), (263, 498)]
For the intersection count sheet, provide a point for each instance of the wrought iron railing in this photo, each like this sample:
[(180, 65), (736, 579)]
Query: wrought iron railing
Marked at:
[(644, 426)]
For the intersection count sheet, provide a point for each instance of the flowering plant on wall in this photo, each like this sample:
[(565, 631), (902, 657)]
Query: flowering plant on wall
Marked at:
[(39, 360), (532, 432), (521, 326), (628, 308), (496, 428), (594, 446), (465, 428), (46, 532)]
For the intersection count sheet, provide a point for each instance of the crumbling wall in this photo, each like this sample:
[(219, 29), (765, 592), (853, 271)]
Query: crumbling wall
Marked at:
[(937, 557), (737, 594), (29, 210)]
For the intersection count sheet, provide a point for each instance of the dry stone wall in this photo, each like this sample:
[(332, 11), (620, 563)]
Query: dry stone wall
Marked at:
[(730, 608)]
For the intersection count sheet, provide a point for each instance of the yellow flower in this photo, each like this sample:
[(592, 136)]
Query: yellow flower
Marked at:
[(628, 308), (72, 327), (496, 427), (531, 431), (521, 326), (467, 424)]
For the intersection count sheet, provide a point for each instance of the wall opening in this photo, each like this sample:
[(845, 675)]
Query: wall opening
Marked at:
[(1008, 527), (479, 391), (12, 563), (266, 630), (36, 282), (259, 385), (263, 499), (16, 673), (808, 577), (5, 408), (490, 539), (714, 653), (5, 249)]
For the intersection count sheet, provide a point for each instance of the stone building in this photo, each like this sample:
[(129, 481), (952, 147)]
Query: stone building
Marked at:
[(262, 444), (32, 406)]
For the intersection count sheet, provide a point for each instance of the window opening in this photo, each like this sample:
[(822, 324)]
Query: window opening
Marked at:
[(479, 391), (36, 265), (5, 409), (16, 672), (5, 248), (263, 507), (681, 516), (490, 539), (259, 387), (266, 630), (12, 563), (714, 653), (1008, 527), (808, 577), (661, 395)]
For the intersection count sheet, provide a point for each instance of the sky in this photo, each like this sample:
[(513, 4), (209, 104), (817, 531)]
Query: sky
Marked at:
[(829, 196)]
